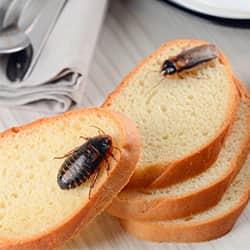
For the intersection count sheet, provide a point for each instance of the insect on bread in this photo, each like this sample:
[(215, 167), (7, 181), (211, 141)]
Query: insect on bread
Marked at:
[(84, 162), (189, 59)]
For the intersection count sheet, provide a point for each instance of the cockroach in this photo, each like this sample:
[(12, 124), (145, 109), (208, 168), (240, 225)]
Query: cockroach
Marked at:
[(189, 59), (84, 162)]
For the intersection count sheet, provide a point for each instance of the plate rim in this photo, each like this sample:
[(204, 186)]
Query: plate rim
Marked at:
[(203, 8)]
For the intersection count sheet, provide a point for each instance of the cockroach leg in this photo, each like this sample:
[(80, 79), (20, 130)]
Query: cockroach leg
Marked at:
[(110, 154), (93, 182), (180, 75), (67, 154), (117, 149), (85, 138), (107, 166)]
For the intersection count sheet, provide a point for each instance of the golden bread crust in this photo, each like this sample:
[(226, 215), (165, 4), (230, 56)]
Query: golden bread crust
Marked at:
[(162, 174), (191, 232), (102, 195), (136, 205)]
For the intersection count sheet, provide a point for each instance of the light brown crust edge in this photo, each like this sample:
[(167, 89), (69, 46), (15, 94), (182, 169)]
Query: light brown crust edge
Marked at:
[(101, 198), (193, 232), (133, 206), (165, 174)]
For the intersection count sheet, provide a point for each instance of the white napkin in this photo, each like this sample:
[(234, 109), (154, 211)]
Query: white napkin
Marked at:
[(58, 79)]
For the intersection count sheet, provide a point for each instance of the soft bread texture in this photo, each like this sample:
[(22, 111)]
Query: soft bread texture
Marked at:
[(195, 194), (182, 121), (34, 212), (204, 226)]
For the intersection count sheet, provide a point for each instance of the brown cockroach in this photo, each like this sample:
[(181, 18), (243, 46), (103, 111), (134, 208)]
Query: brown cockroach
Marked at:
[(189, 59), (84, 162)]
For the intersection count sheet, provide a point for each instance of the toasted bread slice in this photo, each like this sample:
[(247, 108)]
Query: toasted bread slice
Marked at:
[(35, 213), (182, 120), (195, 194), (204, 226)]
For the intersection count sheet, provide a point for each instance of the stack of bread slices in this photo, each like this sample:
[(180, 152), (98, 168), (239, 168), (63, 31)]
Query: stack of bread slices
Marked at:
[(166, 154), (192, 179)]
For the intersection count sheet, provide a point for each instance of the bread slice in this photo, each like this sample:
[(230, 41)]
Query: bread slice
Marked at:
[(34, 212), (207, 225), (195, 194), (182, 121)]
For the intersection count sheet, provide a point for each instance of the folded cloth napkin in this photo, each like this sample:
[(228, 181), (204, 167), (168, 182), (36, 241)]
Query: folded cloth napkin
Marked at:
[(58, 79)]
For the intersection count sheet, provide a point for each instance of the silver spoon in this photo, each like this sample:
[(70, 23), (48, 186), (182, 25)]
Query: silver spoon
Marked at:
[(12, 39), (3, 9), (40, 20)]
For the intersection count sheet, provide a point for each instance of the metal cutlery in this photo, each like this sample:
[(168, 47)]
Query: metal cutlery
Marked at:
[(37, 23), (14, 12), (3, 9), (12, 39), (41, 29), (18, 64)]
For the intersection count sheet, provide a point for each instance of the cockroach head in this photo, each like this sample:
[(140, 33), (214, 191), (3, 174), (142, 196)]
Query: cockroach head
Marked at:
[(102, 142), (168, 68)]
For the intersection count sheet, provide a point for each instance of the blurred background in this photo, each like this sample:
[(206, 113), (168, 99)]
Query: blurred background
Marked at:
[(106, 40)]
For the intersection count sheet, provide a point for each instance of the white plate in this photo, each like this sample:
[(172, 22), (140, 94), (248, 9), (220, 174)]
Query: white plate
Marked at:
[(236, 9)]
